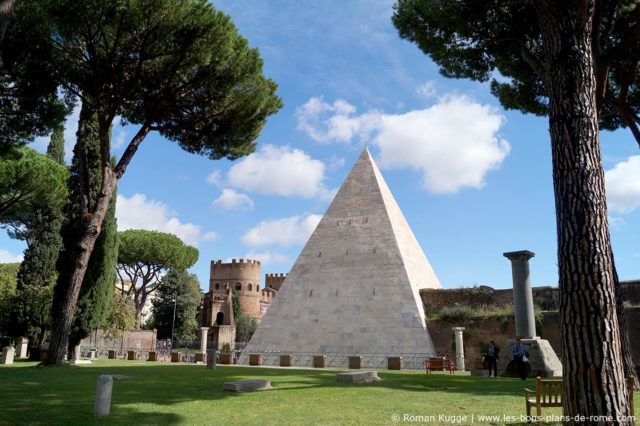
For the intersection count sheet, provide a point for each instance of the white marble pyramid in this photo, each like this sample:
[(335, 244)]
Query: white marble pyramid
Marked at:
[(354, 288)]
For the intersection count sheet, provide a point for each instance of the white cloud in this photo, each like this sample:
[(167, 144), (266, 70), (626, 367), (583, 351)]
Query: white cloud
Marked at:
[(282, 232), (120, 138), (7, 257), (427, 89), (232, 200), (267, 257), (623, 185), (280, 170), (138, 212), (335, 122), (454, 143), (215, 178)]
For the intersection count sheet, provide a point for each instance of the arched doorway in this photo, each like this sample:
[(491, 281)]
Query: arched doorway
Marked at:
[(220, 318)]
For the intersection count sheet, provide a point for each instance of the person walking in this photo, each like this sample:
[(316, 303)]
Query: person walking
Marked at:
[(519, 352), (492, 355)]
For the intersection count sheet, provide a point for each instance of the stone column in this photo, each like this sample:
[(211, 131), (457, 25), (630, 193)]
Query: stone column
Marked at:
[(203, 339), (23, 345), (8, 352), (522, 296), (76, 353), (459, 348), (102, 404)]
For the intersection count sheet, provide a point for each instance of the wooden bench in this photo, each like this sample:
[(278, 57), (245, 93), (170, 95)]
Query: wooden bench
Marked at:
[(548, 393), (439, 364)]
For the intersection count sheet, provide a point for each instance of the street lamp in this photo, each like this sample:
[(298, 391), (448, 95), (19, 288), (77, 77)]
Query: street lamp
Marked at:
[(173, 324)]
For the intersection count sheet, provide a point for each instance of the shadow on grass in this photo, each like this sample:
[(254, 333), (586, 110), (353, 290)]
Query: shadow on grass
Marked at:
[(65, 395)]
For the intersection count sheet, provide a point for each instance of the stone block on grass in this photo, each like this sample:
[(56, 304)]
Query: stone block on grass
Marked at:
[(246, 385), (357, 377)]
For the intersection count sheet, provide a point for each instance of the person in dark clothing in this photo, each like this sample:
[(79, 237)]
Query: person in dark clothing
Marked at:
[(492, 355), (519, 353)]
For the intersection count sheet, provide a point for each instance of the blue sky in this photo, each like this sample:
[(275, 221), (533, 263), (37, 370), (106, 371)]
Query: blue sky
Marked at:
[(472, 179)]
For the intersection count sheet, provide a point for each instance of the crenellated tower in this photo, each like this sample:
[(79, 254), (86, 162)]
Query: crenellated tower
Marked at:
[(242, 276)]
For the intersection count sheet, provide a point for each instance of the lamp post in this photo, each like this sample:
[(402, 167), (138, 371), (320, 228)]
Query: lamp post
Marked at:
[(173, 324)]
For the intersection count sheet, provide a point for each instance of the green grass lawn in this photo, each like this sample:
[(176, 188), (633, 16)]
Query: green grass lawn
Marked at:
[(162, 393)]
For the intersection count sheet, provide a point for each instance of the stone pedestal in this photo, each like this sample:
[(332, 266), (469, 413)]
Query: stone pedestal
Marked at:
[(394, 363), (542, 359), (226, 358), (459, 348), (112, 354), (132, 356), (22, 348), (201, 357), (286, 361), (356, 362), (522, 295), (211, 359), (255, 359), (319, 361), (8, 353), (175, 357), (153, 356), (223, 334), (93, 354)]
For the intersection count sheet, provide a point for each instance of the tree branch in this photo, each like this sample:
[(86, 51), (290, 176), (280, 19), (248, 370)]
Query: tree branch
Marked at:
[(131, 149)]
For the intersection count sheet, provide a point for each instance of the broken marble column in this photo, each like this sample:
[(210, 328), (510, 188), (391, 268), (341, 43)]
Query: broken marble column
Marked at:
[(8, 352), (22, 347), (522, 295), (211, 359), (102, 404), (76, 353), (459, 348), (203, 339)]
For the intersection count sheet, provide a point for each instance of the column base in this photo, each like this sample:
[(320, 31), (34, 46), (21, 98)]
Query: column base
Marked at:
[(543, 361)]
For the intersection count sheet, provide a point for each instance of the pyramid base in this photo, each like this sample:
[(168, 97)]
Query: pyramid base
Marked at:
[(334, 360), (543, 361)]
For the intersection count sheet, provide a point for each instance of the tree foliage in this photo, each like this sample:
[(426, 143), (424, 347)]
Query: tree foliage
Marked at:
[(474, 38), (121, 317), (143, 257), (176, 67), (55, 149), (235, 304), (29, 180), (8, 282), (186, 288), (245, 327)]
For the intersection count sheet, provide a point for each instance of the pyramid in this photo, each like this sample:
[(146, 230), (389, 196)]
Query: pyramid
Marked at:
[(354, 289)]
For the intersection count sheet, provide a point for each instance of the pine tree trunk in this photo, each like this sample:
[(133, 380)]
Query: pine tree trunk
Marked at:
[(594, 383), (68, 287)]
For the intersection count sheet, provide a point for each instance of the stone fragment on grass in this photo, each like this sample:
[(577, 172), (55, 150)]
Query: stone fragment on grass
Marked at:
[(246, 385), (357, 377)]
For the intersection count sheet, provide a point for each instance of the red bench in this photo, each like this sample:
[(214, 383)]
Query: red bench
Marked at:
[(439, 364)]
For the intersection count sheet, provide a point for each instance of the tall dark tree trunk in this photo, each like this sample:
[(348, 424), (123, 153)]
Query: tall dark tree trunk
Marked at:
[(594, 383), (6, 10), (69, 283)]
